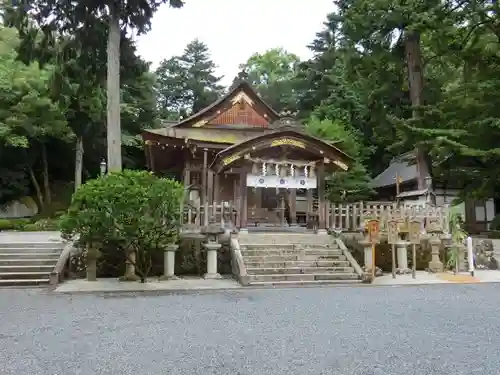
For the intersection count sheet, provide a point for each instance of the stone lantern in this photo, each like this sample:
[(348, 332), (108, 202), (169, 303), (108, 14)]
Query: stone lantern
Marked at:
[(212, 246)]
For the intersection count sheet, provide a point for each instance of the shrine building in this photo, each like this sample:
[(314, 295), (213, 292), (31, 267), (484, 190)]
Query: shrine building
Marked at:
[(240, 152)]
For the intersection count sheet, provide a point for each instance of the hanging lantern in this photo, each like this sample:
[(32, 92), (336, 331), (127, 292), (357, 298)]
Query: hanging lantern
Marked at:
[(264, 169), (306, 172)]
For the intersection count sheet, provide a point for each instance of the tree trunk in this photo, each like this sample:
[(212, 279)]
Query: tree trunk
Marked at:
[(78, 162), (113, 93), (38, 190), (416, 83), (45, 172)]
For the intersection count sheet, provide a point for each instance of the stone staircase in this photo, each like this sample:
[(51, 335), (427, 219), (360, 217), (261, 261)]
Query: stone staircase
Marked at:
[(295, 258), (26, 262)]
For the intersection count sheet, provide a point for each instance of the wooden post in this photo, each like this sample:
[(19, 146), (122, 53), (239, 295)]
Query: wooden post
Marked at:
[(210, 186), (321, 196), (310, 207), (243, 199), (204, 192), (292, 202), (217, 188)]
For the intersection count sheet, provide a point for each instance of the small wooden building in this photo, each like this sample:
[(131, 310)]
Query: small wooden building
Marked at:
[(399, 182), (240, 152)]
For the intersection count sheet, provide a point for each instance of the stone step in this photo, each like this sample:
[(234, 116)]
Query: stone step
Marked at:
[(24, 282), (298, 270), (11, 262), (303, 277), (31, 255), (284, 246), (38, 275), (305, 252), (28, 249), (281, 238), (302, 283), (47, 268), (295, 263), (32, 245)]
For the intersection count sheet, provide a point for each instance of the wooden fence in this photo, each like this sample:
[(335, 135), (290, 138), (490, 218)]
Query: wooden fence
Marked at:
[(352, 216), (344, 217)]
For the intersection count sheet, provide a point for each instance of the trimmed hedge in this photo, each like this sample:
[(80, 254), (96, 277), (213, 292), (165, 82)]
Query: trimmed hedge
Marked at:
[(29, 225)]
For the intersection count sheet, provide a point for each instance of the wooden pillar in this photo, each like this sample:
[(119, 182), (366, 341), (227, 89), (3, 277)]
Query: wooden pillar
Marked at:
[(204, 177), (321, 197), (204, 192), (187, 174), (282, 206), (210, 186), (310, 204), (151, 160), (217, 188), (243, 199), (292, 203)]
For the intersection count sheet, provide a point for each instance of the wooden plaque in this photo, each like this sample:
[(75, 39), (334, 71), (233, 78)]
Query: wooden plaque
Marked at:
[(433, 225), (392, 232), (402, 224), (374, 230), (414, 231)]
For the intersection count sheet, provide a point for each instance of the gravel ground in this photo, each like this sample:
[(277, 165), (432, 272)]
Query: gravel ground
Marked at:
[(436, 329)]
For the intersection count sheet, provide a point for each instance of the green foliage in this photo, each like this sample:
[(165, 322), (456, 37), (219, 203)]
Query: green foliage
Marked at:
[(495, 223), (272, 73), (343, 186), (13, 224), (458, 237), (134, 210), (187, 83)]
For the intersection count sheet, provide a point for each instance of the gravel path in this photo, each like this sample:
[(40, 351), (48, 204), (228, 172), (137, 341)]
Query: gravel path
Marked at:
[(436, 329)]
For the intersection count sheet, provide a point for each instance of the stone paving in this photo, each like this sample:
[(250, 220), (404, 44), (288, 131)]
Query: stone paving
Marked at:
[(420, 330), (198, 284)]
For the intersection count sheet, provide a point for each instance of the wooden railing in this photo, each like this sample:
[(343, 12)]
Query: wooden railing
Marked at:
[(201, 215), (344, 217), (352, 216)]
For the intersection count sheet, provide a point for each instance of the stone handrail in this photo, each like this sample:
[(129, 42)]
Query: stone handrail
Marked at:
[(238, 265), (57, 274), (349, 257)]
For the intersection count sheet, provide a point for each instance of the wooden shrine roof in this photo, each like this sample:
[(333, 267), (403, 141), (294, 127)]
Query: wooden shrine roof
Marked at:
[(255, 111), (289, 134)]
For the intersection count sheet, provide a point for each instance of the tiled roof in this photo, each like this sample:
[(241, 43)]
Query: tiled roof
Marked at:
[(403, 165)]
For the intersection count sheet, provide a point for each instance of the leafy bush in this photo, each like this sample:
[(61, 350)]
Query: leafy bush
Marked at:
[(46, 225), (13, 224), (133, 210), (495, 223)]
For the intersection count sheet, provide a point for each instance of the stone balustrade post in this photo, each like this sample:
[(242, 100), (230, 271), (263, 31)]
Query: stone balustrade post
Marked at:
[(402, 255), (212, 248), (435, 265), (367, 252), (169, 263)]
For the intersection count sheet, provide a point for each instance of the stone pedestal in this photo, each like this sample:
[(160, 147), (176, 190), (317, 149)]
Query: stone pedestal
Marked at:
[(435, 265), (130, 269), (367, 250), (402, 255), (322, 232), (462, 264), (91, 271), (212, 249), (243, 231), (169, 263)]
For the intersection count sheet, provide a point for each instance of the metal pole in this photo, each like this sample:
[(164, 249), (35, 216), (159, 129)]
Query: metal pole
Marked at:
[(393, 261), (414, 265)]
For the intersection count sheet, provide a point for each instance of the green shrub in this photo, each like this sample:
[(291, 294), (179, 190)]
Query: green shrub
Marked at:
[(13, 224), (46, 225), (495, 223), (31, 227), (133, 210)]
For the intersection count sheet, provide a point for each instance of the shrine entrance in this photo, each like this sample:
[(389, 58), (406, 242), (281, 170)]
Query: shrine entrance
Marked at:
[(281, 178)]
